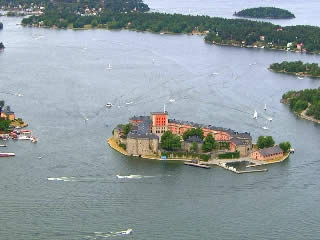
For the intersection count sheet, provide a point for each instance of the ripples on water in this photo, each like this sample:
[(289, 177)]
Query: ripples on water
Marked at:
[(73, 191)]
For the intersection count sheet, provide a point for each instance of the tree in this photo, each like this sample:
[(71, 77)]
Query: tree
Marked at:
[(285, 146), (4, 124), (193, 132), (170, 141), (126, 129), (264, 142), (194, 147), (209, 143)]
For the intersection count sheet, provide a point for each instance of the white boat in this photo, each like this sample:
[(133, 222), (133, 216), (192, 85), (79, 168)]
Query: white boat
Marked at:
[(265, 127), (270, 119), (129, 103), (109, 105), (255, 114), (172, 100), (300, 77), (265, 107), (127, 232), (109, 67), (34, 139), (24, 137), (3, 145)]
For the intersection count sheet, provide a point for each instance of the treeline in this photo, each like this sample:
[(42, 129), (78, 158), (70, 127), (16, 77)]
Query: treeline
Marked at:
[(1, 25), (1, 45), (297, 67), (265, 12), (300, 100), (221, 30), (79, 5)]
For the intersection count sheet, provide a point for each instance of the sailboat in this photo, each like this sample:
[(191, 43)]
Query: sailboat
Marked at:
[(265, 107), (255, 114), (265, 127), (109, 67)]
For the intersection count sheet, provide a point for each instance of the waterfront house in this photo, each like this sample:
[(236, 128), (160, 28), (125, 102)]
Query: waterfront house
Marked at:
[(7, 114), (299, 46), (269, 153)]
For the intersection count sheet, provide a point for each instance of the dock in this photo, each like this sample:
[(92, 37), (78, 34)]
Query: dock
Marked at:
[(192, 164), (252, 171), (233, 169)]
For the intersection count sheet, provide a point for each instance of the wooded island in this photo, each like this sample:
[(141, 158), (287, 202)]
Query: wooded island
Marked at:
[(297, 68), (306, 103), (265, 12)]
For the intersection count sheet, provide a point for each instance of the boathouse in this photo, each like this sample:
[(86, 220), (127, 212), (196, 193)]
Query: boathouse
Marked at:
[(267, 153)]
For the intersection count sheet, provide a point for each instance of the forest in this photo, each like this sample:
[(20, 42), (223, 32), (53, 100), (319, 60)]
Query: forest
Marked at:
[(265, 12), (239, 32), (300, 100), (73, 6), (297, 67)]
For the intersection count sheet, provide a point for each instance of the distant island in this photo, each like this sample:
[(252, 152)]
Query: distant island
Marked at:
[(297, 68), (1, 25), (265, 12), (305, 103), (1, 46), (219, 31)]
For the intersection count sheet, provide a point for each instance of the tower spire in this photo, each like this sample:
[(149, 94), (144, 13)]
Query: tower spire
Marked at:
[(164, 108)]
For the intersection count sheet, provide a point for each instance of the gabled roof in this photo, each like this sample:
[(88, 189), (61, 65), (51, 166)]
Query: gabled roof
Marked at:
[(271, 150), (194, 139)]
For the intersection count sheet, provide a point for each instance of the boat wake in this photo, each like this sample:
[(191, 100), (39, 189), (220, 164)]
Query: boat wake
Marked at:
[(101, 235), (64, 179), (133, 177)]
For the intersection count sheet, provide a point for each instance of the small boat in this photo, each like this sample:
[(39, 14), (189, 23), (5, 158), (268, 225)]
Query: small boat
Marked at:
[(300, 77), (24, 137), (172, 100), (127, 232), (265, 107), (255, 115), (34, 139), (129, 103), (109, 105), (3, 145), (270, 119), (109, 67), (7, 154), (265, 127)]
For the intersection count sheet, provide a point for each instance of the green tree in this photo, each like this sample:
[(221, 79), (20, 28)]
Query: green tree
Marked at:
[(194, 147), (193, 132), (285, 146), (209, 143), (126, 129), (170, 141), (4, 124), (264, 142)]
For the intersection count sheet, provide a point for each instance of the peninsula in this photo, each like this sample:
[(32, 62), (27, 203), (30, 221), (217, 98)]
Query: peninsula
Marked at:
[(297, 68), (158, 137), (220, 31), (305, 103), (265, 12)]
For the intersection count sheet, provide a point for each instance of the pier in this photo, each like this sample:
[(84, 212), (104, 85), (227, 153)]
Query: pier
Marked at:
[(193, 164)]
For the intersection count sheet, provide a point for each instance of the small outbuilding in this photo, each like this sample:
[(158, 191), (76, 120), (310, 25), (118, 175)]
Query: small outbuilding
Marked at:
[(267, 153)]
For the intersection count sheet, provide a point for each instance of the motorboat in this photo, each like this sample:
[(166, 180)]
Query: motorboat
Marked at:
[(255, 114), (108, 105), (109, 67), (265, 107), (172, 100), (7, 154)]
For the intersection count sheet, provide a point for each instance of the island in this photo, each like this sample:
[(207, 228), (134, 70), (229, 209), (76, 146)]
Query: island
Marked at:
[(305, 103), (158, 137), (219, 31), (297, 68), (1, 25), (265, 12), (1, 46)]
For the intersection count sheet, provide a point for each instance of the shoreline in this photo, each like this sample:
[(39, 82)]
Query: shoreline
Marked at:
[(264, 47), (303, 114), (298, 74), (216, 162)]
